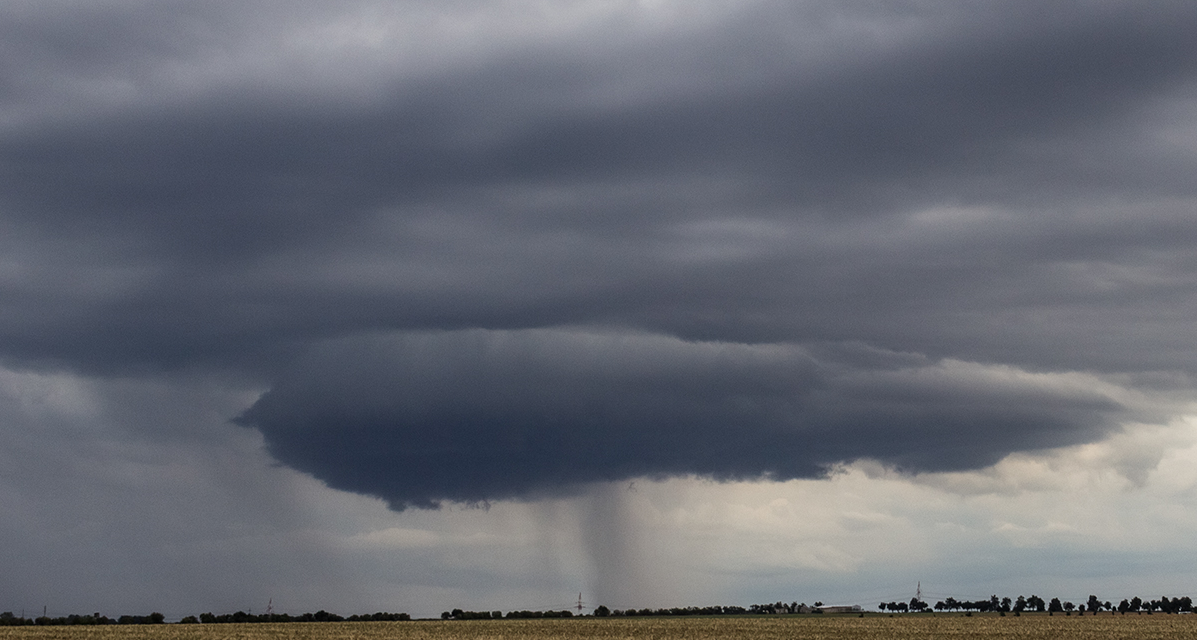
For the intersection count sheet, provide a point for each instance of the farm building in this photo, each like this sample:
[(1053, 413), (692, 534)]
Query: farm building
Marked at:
[(845, 608)]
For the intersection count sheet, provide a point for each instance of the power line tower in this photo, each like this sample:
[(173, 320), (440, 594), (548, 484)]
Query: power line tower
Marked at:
[(918, 591), (580, 605)]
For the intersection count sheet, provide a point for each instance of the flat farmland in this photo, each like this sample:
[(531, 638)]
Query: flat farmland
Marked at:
[(1163, 627)]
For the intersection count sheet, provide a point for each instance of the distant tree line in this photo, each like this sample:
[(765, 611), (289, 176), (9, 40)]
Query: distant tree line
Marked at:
[(319, 616), (8, 619), (780, 607), (715, 610), (915, 605), (458, 614), (602, 611), (1034, 603), (1163, 605)]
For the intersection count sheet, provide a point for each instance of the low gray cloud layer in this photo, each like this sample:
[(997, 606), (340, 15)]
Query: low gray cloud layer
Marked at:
[(482, 251)]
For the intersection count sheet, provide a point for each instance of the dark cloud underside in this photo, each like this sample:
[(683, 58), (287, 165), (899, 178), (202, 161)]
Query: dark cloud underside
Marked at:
[(477, 415)]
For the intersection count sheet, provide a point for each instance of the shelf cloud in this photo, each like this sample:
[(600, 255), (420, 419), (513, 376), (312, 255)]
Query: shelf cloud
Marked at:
[(476, 415)]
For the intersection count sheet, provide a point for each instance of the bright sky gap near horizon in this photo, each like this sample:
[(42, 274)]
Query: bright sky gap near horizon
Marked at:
[(419, 305)]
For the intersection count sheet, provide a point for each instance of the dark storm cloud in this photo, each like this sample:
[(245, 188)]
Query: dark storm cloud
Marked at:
[(479, 415), (871, 126), (190, 187)]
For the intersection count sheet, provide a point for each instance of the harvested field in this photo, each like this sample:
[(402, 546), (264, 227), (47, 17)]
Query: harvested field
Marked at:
[(1030, 627)]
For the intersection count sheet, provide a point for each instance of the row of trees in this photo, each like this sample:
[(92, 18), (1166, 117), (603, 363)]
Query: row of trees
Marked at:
[(1034, 603), (1174, 605), (319, 616), (8, 619), (603, 611), (458, 614), (714, 610), (992, 604), (782, 607)]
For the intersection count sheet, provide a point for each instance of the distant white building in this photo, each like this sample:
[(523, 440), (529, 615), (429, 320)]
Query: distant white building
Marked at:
[(843, 608)]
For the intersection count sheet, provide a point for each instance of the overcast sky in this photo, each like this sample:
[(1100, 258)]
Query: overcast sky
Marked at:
[(418, 305)]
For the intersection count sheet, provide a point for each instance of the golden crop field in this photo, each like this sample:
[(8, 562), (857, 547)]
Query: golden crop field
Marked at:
[(877, 627)]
